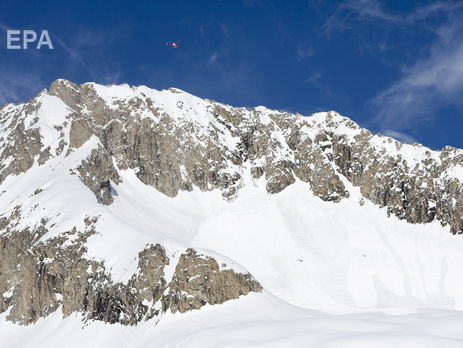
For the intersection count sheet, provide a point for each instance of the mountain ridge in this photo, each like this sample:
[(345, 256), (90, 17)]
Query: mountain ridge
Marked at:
[(280, 146), (99, 181)]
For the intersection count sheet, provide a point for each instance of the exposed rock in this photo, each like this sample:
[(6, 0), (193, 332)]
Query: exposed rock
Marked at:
[(37, 277), (96, 172), (174, 154), (80, 132), (67, 91), (23, 146), (257, 172), (191, 143), (198, 280)]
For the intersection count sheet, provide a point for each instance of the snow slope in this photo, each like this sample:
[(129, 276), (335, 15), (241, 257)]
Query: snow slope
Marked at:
[(317, 262), (335, 257), (335, 275), (256, 320)]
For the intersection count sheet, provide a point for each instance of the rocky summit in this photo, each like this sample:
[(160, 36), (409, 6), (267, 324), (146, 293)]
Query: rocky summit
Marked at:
[(67, 154)]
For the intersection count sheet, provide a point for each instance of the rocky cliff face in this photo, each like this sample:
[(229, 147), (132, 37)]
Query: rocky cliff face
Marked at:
[(182, 141), (37, 278), (176, 142)]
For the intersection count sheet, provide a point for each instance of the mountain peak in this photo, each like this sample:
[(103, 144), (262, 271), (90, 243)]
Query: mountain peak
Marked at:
[(175, 141), (127, 191)]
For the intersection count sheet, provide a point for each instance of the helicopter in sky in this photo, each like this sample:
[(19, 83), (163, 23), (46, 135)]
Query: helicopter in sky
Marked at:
[(173, 44)]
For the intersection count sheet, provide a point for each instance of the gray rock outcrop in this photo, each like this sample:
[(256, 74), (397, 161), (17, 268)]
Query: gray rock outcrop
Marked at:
[(173, 153), (176, 142), (37, 277)]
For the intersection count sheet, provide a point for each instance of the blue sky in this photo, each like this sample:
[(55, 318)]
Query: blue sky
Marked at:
[(394, 67)]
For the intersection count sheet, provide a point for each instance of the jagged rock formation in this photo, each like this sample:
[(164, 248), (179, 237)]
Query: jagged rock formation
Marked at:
[(176, 142), (198, 280), (97, 172), (37, 277)]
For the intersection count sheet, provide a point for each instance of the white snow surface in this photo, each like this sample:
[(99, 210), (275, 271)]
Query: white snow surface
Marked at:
[(334, 275), (256, 320)]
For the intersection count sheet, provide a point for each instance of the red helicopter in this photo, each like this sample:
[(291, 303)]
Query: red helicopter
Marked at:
[(173, 44)]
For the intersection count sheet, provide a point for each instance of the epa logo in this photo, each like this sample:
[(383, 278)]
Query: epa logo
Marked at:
[(16, 41)]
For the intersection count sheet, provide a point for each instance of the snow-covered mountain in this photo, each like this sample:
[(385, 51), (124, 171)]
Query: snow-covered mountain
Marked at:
[(152, 210)]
